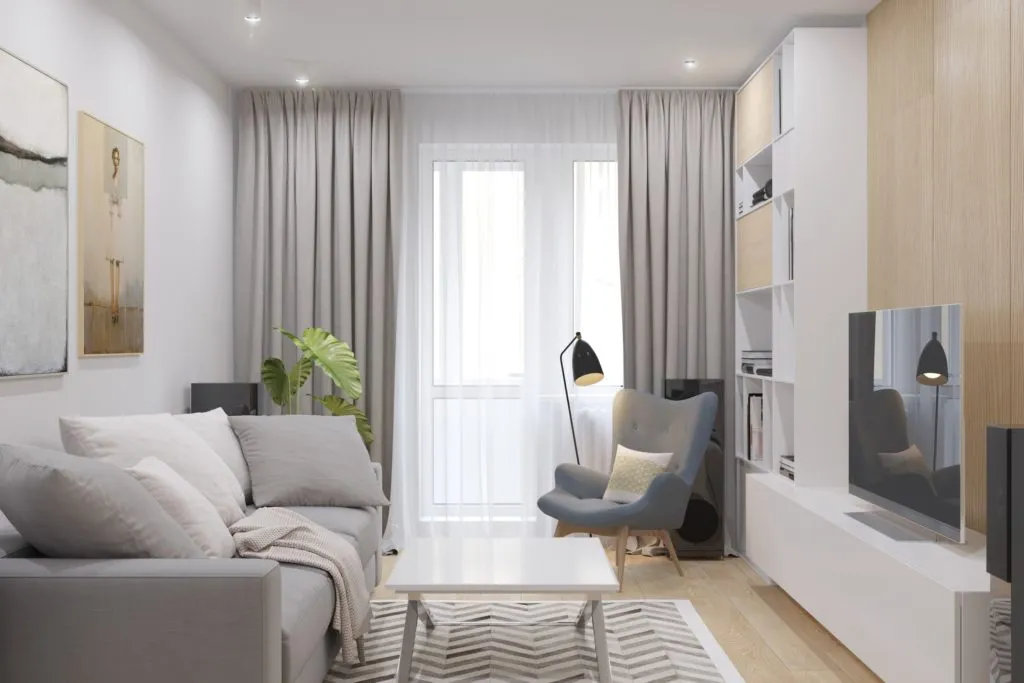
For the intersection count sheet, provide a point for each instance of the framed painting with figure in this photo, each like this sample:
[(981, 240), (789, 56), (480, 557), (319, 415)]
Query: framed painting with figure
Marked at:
[(33, 221), (111, 240)]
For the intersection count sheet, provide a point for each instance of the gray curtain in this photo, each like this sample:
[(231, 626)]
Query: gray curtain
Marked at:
[(676, 234), (316, 202)]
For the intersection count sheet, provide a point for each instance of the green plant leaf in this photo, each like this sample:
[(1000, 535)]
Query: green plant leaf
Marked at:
[(298, 375), (333, 356), (339, 407), (275, 379)]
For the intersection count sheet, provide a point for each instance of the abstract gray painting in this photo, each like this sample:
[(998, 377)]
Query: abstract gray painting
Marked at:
[(33, 221)]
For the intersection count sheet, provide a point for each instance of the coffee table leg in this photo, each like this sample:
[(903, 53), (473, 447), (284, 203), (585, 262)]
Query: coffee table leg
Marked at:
[(408, 641), (604, 673), (581, 620), (426, 617)]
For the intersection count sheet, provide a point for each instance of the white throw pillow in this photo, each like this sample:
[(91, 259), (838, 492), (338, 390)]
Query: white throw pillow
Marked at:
[(216, 431), (633, 473), (185, 505), (124, 441)]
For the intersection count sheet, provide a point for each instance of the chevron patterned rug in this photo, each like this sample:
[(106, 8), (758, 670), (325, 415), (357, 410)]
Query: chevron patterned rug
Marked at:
[(648, 642)]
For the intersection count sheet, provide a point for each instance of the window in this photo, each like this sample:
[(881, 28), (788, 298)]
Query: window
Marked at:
[(597, 263), (478, 273), (523, 252)]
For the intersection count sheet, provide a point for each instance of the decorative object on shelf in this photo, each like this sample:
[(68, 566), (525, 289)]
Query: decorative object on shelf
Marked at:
[(755, 429), (234, 398), (933, 371), (756, 362), (586, 370), (318, 348), (763, 194), (33, 221), (111, 240)]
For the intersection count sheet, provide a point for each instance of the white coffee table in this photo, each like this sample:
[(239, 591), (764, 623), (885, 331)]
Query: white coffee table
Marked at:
[(528, 565)]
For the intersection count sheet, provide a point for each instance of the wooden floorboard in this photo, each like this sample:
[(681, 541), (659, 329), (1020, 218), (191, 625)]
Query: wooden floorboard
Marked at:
[(768, 637)]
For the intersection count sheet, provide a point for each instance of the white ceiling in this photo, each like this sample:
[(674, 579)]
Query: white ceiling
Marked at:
[(495, 43)]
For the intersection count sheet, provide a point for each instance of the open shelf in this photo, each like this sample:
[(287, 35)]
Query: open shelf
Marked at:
[(753, 291), (762, 158), (784, 134)]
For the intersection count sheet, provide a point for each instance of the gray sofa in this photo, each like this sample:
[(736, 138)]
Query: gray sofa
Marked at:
[(170, 621)]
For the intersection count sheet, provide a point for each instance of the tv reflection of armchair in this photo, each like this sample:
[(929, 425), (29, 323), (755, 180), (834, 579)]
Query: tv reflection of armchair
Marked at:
[(886, 463)]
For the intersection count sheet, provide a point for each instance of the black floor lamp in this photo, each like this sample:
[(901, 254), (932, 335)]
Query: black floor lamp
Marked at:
[(933, 371), (586, 370)]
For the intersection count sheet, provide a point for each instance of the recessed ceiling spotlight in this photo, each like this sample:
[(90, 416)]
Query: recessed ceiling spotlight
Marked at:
[(302, 80), (253, 12), (690, 64)]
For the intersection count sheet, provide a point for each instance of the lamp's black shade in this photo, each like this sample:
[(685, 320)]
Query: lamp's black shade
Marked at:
[(932, 366), (586, 368)]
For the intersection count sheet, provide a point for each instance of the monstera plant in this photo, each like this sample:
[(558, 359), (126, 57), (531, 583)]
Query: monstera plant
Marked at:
[(318, 348)]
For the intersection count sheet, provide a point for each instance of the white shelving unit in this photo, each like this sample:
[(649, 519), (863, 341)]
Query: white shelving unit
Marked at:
[(765, 314), (802, 123), (848, 575)]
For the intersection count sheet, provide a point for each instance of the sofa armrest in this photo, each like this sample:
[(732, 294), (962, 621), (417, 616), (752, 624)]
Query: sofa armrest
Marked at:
[(378, 471), (125, 621), (579, 481)]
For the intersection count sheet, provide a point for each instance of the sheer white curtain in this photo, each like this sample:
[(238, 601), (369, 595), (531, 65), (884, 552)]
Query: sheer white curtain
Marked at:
[(509, 245)]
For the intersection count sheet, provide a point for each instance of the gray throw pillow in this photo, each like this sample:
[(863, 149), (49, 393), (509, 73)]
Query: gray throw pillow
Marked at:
[(68, 506), (307, 460)]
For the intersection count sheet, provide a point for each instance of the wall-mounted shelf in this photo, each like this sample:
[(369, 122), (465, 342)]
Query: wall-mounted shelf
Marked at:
[(753, 291)]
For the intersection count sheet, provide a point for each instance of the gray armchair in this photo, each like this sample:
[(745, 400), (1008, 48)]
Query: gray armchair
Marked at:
[(652, 425)]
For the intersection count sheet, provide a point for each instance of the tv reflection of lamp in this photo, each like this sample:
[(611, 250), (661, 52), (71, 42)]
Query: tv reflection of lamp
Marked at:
[(586, 370), (933, 371)]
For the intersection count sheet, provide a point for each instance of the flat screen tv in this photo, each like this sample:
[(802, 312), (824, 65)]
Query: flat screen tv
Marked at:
[(906, 414)]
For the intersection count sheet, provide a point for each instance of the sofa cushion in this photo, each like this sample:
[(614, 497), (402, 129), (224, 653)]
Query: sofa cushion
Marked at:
[(307, 460), (67, 506), (11, 542), (307, 605), (213, 427), (358, 525), (124, 441), (186, 506)]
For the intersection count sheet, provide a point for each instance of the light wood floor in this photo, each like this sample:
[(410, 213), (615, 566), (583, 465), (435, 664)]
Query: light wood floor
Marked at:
[(768, 637)]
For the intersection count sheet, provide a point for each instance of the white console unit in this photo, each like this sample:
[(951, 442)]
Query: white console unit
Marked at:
[(914, 611)]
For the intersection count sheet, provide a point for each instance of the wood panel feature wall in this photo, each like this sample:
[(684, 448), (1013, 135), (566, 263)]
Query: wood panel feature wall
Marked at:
[(901, 97), (1017, 204), (972, 213), (754, 114), (944, 224), (754, 249)]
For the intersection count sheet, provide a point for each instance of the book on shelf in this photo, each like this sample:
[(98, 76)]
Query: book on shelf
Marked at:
[(787, 466), (757, 368), (755, 362), (755, 427)]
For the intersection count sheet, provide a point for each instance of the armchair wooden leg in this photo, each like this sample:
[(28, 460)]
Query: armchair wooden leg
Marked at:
[(562, 529), (666, 538), (620, 553)]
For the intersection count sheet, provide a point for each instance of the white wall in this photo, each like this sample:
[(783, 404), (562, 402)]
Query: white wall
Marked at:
[(120, 67)]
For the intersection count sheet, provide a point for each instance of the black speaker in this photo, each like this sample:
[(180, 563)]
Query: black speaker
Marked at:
[(234, 398), (1003, 445), (702, 534)]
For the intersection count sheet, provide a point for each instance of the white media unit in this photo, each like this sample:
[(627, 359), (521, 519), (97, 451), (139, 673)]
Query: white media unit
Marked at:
[(914, 611)]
